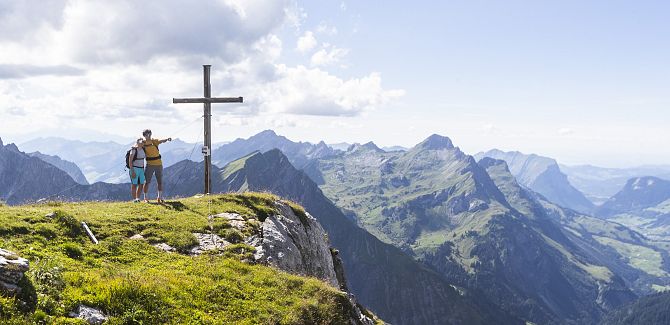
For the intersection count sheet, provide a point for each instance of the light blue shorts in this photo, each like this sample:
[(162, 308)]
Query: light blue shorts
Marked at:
[(139, 176)]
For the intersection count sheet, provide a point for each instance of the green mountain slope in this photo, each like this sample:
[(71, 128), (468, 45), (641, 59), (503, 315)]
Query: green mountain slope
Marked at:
[(640, 260), (383, 278), (134, 282), (643, 205), (437, 203)]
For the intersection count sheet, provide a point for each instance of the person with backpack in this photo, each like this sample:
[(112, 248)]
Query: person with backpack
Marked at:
[(154, 163), (135, 164)]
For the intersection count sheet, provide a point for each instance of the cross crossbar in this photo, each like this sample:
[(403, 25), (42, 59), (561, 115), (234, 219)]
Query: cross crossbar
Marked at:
[(207, 100)]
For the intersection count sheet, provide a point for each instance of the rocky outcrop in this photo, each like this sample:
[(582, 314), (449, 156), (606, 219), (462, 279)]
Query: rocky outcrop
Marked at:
[(12, 268), (288, 241), (89, 314), (297, 246)]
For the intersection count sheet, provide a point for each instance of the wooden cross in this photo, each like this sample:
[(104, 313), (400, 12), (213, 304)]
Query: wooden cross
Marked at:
[(207, 100)]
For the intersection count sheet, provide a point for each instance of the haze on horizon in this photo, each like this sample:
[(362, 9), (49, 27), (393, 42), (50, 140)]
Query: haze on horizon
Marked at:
[(582, 82)]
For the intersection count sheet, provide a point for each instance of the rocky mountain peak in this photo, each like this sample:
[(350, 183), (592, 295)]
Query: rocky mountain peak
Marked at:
[(487, 162), (1, 142), (266, 134), (12, 147), (436, 142), (369, 146)]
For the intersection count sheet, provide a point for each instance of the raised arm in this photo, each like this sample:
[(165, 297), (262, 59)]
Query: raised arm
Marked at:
[(165, 140)]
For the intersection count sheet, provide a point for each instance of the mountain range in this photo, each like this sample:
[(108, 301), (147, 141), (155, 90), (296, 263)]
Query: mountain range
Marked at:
[(391, 282), (599, 184), (438, 204), (432, 235)]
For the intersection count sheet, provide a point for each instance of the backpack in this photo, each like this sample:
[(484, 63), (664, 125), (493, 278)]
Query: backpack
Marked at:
[(128, 156)]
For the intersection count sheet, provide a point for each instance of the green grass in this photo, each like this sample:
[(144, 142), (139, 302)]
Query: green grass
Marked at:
[(135, 283), (639, 257)]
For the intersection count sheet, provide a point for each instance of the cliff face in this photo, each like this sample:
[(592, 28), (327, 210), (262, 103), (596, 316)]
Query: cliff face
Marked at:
[(67, 166), (544, 176), (297, 245)]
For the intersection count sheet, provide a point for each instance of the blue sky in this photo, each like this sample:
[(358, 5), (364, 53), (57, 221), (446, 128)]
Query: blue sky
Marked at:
[(580, 81)]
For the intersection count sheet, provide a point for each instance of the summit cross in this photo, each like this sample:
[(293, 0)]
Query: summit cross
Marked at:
[(207, 101)]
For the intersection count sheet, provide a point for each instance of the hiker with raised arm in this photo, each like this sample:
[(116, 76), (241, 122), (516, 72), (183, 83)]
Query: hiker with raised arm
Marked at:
[(154, 164), (135, 164)]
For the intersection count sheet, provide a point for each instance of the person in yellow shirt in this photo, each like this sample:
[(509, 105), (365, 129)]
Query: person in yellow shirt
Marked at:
[(154, 163)]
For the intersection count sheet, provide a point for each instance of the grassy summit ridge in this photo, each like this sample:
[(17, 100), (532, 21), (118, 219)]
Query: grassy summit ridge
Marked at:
[(132, 281)]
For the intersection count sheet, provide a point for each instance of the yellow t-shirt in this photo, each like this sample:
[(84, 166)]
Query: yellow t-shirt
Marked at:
[(151, 150)]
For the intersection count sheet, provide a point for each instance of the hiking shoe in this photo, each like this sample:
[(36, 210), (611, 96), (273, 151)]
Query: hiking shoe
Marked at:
[(136, 201)]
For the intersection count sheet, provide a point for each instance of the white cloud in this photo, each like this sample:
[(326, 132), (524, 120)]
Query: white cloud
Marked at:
[(328, 55), (306, 42), (301, 90), (115, 66), (127, 31), (326, 29), (565, 131)]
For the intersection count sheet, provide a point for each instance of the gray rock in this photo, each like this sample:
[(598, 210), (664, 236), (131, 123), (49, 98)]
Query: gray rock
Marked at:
[(89, 314), (284, 241), (296, 246), (12, 268), (208, 242), (165, 247), (137, 237)]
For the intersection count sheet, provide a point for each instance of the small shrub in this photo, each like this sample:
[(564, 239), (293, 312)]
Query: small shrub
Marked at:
[(72, 250), (40, 317), (47, 231), (182, 241), (70, 224), (232, 235), (112, 245), (239, 251), (217, 225), (8, 308), (299, 211), (136, 302)]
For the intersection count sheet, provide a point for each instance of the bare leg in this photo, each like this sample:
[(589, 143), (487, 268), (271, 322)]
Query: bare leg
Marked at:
[(146, 191), (140, 187), (133, 191)]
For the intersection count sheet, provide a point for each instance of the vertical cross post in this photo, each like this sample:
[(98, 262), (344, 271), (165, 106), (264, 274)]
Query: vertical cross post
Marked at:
[(207, 101), (208, 128)]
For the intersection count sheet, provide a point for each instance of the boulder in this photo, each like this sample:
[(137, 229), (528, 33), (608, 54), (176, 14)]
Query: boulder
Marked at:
[(296, 245), (12, 268), (89, 314)]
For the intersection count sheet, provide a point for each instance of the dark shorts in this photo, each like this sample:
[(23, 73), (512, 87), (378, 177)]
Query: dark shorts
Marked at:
[(150, 170)]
